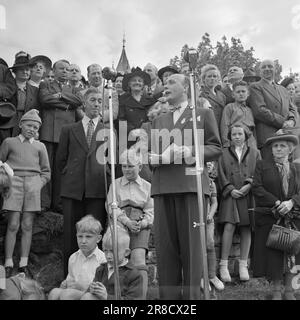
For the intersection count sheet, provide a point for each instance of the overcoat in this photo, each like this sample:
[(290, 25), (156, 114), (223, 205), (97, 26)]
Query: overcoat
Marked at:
[(233, 175), (267, 189)]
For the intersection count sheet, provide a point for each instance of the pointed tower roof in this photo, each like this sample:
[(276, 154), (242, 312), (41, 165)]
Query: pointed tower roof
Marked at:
[(123, 65)]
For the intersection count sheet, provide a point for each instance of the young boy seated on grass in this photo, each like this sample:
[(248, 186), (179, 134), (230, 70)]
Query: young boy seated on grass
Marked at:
[(83, 263), (130, 279)]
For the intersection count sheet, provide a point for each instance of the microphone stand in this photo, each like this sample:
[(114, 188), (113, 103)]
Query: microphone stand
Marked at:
[(114, 205), (199, 171)]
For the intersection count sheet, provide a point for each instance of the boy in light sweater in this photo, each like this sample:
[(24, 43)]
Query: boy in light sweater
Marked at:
[(29, 160)]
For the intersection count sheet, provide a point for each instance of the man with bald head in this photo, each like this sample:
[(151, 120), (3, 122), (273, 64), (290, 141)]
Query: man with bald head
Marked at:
[(175, 192), (74, 76), (271, 106), (94, 74), (58, 104), (156, 87)]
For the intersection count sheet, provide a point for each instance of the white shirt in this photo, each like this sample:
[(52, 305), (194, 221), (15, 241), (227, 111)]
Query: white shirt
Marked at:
[(82, 269), (239, 151), (85, 122), (22, 138), (177, 113)]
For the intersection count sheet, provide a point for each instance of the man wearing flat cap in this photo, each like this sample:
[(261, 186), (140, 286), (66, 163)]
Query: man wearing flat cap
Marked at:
[(271, 106)]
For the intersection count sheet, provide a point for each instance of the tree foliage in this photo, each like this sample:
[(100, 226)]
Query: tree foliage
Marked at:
[(224, 55)]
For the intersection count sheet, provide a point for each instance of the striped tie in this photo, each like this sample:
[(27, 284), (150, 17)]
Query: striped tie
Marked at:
[(90, 131)]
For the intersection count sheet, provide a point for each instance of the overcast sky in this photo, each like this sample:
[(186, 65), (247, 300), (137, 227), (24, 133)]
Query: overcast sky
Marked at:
[(91, 31)]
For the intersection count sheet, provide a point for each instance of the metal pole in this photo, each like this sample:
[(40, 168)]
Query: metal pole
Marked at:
[(199, 170), (114, 205)]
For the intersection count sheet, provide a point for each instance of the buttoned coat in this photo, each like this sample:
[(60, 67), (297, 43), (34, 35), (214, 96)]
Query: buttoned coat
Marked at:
[(57, 112), (173, 178), (217, 102), (233, 174), (81, 175), (271, 107)]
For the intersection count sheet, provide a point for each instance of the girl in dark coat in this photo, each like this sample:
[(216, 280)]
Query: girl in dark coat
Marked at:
[(276, 186), (236, 170)]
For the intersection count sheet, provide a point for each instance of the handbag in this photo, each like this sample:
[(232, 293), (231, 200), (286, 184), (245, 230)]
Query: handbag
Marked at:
[(284, 239)]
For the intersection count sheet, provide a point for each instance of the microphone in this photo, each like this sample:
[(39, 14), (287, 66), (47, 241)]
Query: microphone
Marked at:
[(109, 74), (191, 57)]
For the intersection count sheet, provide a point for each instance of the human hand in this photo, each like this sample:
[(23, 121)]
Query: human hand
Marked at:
[(133, 226), (98, 289), (245, 189), (57, 95), (285, 207), (143, 224), (236, 194), (288, 124), (63, 285)]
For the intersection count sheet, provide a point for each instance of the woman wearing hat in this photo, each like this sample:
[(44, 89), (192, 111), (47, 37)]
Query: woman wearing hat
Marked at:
[(39, 66), (26, 97), (134, 104), (276, 190)]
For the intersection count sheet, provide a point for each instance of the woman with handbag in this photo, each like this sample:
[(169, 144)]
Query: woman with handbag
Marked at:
[(276, 190), (236, 170)]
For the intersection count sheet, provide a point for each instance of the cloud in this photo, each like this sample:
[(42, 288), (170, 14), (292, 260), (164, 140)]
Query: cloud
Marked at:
[(89, 31)]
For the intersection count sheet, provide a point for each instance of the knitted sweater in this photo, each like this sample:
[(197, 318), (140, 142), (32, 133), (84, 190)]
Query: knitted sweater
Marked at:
[(25, 158)]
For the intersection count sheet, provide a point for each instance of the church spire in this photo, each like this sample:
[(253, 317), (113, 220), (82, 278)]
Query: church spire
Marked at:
[(123, 65)]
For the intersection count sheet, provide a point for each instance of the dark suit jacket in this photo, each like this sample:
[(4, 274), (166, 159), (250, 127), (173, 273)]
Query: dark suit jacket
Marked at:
[(217, 101), (271, 108), (131, 282), (81, 175), (172, 178), (57, 112), (228, 94)]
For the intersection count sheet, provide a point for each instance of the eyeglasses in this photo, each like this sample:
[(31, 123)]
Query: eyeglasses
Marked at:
[(72, 70)]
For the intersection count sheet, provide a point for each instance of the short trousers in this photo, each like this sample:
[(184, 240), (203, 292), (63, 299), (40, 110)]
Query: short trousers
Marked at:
[(25, 194)]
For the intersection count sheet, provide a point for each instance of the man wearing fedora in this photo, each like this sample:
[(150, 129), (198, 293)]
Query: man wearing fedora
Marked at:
[(58, 105), (250, 76), (39, 66), (8, 89), (271, 106)]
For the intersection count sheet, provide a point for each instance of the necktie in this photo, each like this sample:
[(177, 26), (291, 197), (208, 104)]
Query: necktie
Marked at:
[(90, 131)]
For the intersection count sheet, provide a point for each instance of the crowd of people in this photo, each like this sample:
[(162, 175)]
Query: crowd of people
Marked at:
[(51, 119)]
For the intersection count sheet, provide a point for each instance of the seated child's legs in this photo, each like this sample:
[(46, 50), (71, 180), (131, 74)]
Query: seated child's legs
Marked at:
[(88, 296), (13, 225), (138, 256), (54, 294), (71, 294)]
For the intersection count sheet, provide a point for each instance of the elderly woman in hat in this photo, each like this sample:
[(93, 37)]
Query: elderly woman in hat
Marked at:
[(134, 104), (276, 190), (39, 66)]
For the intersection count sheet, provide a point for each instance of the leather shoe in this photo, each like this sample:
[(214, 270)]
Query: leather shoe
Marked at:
[(27, 271), (8, 272)]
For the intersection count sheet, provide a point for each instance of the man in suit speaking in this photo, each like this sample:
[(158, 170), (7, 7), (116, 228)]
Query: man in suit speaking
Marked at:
[(82, 177), (175, 192)]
